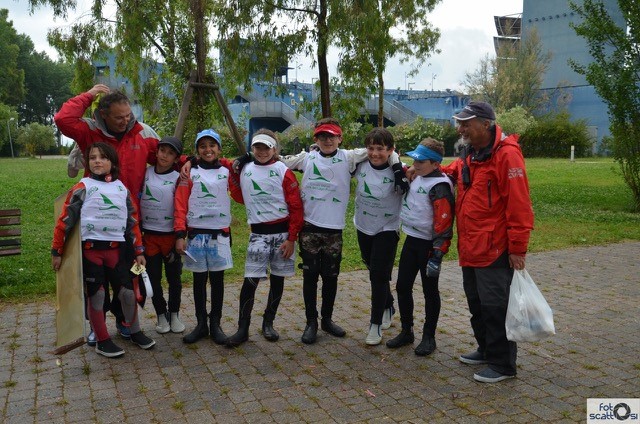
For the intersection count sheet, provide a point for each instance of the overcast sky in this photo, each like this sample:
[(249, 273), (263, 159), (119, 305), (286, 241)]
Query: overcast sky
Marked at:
[(466, 27)]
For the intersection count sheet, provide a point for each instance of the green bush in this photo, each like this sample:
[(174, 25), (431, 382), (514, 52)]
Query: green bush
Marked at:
[(408, 135), (304, 133), (515, 120), (552, 136)]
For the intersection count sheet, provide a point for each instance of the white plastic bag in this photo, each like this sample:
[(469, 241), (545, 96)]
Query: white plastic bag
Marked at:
[(529, 317), (147, 283)]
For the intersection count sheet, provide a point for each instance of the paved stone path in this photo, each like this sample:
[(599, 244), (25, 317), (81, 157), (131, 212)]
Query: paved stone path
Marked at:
[(594, 292)]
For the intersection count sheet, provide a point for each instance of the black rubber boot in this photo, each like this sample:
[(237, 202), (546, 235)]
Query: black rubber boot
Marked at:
[(332, 328), (217, 335), (241, 336), (201, 330), (268, 331), (310, 333), (404, 338), (427, 344)]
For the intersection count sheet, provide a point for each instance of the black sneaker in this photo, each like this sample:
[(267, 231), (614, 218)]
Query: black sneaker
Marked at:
[(474, 358), (489, 375), (143, 341), (109, 349)]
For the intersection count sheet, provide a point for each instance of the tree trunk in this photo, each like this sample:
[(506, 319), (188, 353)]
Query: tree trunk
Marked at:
[(323, 70), (380, 100), (197, 11)]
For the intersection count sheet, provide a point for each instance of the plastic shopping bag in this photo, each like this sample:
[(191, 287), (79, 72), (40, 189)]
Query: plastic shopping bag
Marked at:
[(529, 317)]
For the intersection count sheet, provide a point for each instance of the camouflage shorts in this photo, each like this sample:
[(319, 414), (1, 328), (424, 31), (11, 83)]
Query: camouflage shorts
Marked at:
[(327, 243), (321, 253)]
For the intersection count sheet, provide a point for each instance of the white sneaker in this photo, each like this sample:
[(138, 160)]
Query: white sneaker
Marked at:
[(387, 317), (375, 335), (176, 325), (163, 325)]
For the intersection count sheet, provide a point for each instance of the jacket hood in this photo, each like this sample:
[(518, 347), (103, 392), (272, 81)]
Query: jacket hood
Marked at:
[(503, 140)]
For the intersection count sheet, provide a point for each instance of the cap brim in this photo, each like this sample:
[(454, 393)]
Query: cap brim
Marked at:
[(462, 116), (327, 132), (269, 145)]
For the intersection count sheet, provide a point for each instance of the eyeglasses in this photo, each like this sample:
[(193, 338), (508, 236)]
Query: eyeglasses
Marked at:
[(324, 137)]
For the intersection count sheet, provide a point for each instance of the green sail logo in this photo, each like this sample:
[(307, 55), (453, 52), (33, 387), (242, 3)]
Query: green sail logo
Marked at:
[(108, 204), (317, 175), (150, 197), (367, 192), (258, 190), (205, 191)]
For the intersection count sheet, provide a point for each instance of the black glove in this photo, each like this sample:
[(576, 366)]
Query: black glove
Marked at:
[(241, 161), (433, 267), (401, 183)]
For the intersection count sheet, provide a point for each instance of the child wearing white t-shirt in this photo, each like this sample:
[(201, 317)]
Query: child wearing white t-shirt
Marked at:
[(203, 217), (274, 212)]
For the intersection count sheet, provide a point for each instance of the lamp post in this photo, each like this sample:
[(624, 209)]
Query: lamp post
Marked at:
[(433, 76), (9, 131)]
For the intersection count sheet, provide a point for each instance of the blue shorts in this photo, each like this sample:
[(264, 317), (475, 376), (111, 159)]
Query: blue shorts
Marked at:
[(208, 252)]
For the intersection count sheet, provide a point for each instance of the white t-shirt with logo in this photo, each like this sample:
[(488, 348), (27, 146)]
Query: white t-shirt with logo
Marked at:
[(377, 205), (104, 212), (209, 203), (325, 189), (263, 193), (156, 200), (416, 213)]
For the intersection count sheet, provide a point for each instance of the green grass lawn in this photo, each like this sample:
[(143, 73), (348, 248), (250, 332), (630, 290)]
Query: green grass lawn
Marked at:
[(580, 203)]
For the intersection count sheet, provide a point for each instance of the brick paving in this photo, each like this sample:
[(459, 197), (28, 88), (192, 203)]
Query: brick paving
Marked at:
[(594, 292)]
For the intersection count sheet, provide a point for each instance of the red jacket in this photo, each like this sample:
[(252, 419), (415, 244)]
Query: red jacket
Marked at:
[(494, 213), (137, 147)]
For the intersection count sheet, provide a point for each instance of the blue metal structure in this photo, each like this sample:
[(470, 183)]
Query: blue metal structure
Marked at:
[(569, 90)]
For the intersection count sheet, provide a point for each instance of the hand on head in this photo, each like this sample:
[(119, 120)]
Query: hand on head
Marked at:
[(99, 88)]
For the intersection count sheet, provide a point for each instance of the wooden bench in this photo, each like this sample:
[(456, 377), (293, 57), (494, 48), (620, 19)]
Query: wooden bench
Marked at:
[(10, 232)]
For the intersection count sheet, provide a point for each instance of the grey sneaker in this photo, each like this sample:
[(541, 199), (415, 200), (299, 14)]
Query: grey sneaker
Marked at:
[(489, 375), (176, 325), (387, 318), (163, 326), (374, 337), (474, 358)]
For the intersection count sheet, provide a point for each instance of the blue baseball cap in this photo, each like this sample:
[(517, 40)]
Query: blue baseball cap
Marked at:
[(209, 133)]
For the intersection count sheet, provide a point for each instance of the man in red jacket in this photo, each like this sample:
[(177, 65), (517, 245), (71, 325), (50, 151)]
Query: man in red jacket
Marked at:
[(113, 122), (494, 219)]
